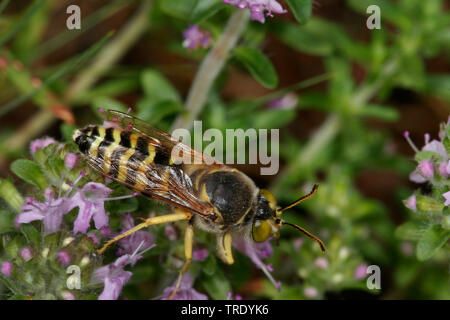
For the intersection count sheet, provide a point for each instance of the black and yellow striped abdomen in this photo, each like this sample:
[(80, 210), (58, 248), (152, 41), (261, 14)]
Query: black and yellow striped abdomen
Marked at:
[(120, 154)]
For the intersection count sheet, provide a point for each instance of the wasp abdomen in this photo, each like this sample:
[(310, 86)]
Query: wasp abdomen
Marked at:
[(124, 155)]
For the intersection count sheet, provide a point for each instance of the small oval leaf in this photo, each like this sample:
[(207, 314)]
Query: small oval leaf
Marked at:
[(301, 9), (30, 172), (431, 241), (258, 65)]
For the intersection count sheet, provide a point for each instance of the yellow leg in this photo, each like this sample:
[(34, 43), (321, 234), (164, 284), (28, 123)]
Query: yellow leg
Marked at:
[(225, 251), (188, 244), (148, 222)]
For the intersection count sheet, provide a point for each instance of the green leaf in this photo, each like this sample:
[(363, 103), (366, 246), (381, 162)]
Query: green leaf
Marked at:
[(427, 155), (155, 112), (428, 204), (66, 68), (216, 285), (108, 103), (13, 246), (385, 113), (439, 85), (272, 118), (205, 9), (411, 230), (31, 234), (432, 240), (259, 66), (30, 172), (301, 9), (18, 26), (320, 37), (179, 9), (10, 194), (6, 221), (157, 87)]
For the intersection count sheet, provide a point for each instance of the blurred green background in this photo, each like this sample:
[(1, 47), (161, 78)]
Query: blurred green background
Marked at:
[(357, 90)]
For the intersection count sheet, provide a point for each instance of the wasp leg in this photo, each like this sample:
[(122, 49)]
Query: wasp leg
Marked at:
[(225, 252), (148, 222), (188, 244)]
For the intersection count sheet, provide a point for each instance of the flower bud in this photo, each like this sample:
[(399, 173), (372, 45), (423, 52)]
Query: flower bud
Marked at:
[(63, 258), (360, 271), (411, 203), (26, 254), (6, 268), (428, 204), (71, 160)]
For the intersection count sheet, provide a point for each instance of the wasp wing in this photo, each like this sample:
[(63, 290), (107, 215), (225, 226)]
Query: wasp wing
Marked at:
[(166, 183), (129, 122)]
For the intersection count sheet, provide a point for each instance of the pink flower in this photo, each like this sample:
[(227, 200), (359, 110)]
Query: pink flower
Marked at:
[(142, 240), (258, 8), (26, 254), (361, 271), (407, 248), (230, 296), (310, 292), (256, 252), (114, 277), (170, 232), (40, 143), (411, 202), (71, 160), (6, 268), (195, 38), (63, 258), (444, 169), (447, 198), (185, 292), (200, 254), (66, 295), (90, 200), (51, 212), (426, 168), (298, 243), (286, 102), (321, 263)]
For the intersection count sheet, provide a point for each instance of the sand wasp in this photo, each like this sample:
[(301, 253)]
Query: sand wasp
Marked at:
[(216, 198)]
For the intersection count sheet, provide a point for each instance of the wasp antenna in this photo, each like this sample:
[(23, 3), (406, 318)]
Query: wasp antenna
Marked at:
[(309, 195), (310, 235)]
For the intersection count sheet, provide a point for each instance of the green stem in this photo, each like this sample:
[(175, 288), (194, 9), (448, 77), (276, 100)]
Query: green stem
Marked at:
[(109, 55), (332, 125), (111, 52), (209, 69), (321, 138)]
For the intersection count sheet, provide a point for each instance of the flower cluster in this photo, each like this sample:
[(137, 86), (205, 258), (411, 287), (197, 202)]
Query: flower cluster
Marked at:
[(431, 210), (259, 9), (194, 38)]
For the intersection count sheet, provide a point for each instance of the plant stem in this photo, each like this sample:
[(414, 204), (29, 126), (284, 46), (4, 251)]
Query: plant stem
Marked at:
[(109, 55), (319, 141), (332, 125), (209, 69)]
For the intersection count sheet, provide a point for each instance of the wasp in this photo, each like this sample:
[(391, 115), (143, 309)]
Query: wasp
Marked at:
[(213, 197)]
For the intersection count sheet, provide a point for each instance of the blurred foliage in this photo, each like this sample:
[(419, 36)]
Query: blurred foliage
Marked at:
[(356, 229)]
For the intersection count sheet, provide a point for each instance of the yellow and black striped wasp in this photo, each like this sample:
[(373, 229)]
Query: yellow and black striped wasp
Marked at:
[(213, 197)]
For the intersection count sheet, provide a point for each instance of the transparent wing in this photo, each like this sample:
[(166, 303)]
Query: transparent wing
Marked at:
[(128, 122), (166, 183)]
